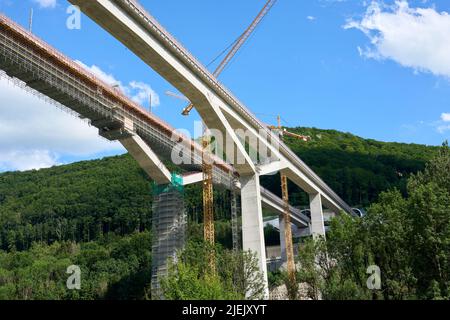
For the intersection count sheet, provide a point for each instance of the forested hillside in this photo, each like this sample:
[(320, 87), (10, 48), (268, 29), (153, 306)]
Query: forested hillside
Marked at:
[(405, 238), (357, 169), (94, 213), (76, 202)]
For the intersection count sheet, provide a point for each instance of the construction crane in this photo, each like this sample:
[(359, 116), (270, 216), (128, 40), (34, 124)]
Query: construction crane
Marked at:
[(286, 208), (207, 169), (283, 132), (30, 21), (208, 199), (176, 96), (238, 45)]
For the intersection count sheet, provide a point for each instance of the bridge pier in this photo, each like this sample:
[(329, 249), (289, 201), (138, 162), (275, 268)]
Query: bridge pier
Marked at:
[(252, 223), (282, 240), (32, 62), (169, 231), (168, 214), (317, 220)]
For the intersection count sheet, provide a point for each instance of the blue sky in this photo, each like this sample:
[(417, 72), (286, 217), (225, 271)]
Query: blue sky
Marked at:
[(377, 69)]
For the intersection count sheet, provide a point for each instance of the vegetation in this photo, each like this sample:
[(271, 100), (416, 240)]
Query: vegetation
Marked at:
[(111, 268), (407, 237), (97, 214), (357, 169), (80, 202), (236, 275)]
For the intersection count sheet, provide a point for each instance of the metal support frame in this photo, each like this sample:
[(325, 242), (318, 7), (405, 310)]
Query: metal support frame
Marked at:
[(287, 230), (234, 215), (169, 232), (208, 200)]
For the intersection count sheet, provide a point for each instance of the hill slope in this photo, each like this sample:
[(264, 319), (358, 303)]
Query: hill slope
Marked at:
[(85, 200), (355, 168), (97, 214)]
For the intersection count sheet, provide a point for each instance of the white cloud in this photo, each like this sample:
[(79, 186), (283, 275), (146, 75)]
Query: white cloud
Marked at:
[(143, 92), (35, 134), (139, 92), (418, 38), (105, 77), (311, 18), (443, 128), (46, 3), (445, 117), (26, 159), (443, 125)]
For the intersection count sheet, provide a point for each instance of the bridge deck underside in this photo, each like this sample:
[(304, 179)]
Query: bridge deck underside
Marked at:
[(132, 25), (48, 78)]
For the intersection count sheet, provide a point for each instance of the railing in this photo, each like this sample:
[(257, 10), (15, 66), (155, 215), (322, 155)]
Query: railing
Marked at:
[(157, 30), (75, 76), (19, 33), (294, 211)]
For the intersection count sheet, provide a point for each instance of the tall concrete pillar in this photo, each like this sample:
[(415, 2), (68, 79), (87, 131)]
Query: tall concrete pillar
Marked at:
[(282, 240), (252, 223), (169, 231), (317, 221)]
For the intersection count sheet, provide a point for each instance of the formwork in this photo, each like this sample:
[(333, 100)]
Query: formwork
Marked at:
[(41, 70), (169, 231)]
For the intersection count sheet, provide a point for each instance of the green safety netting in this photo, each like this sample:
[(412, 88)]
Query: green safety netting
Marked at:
[(176, 183)]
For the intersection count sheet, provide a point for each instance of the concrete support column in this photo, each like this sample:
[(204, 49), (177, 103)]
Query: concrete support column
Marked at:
[(282, 240), (252, 223), (317, 221), (147, 159), (169, 231)]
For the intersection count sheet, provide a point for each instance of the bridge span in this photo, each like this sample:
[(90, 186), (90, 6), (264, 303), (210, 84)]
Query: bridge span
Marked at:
[(149, 139), (72, 88)]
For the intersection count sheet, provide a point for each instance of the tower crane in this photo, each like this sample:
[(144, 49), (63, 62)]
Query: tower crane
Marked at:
[(208, 214), (284, 132), (238, 45), (285, 195)]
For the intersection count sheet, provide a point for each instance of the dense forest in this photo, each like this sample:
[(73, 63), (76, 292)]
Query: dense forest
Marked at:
[(356, 169), (97, 214), (403, 243)]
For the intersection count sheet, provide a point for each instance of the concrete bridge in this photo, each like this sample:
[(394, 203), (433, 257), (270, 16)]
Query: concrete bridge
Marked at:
[(149, 139)]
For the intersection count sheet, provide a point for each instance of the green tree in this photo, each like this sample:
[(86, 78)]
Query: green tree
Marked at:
[(236, 276), (407, 237)]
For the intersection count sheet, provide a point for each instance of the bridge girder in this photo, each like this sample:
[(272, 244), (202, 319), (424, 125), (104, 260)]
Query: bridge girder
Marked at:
[(126, 21)]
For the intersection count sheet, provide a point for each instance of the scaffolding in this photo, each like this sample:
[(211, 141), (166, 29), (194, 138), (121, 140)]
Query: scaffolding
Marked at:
[(235, 208), (48, 72), (169, 221), (38, 68), (33, 65)]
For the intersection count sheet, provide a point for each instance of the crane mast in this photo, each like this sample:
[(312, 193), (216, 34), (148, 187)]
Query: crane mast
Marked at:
[(285, 194), (244, 37), (208, 199), (287, 230), (207, 169)]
